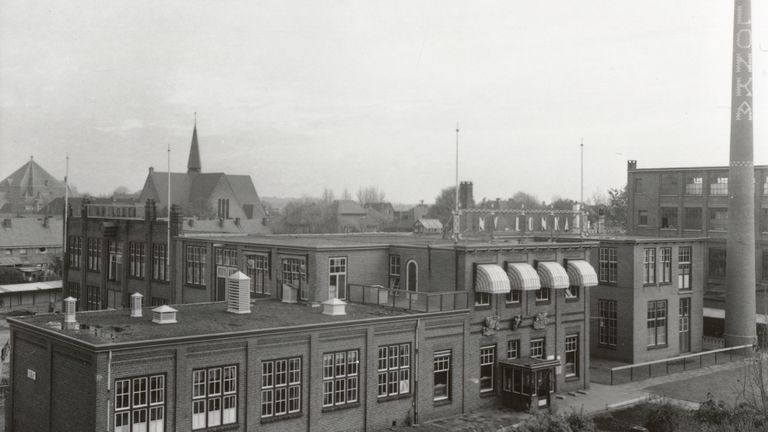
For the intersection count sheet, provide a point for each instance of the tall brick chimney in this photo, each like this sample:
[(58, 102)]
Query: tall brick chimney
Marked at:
[(740, 246)]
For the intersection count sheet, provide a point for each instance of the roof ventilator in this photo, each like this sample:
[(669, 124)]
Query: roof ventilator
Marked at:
[(239, 293), (164, 315), (136, 305), (70, 320)]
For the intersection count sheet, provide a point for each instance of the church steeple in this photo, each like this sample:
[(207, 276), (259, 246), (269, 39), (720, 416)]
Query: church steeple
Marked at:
[(193, 165)]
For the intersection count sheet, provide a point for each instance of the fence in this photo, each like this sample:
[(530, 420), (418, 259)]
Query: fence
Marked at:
[(675, 362), (410, 300)]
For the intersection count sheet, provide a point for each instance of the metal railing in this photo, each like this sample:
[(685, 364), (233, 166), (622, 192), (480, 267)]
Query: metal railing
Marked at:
[(675, 361), (409, 300)]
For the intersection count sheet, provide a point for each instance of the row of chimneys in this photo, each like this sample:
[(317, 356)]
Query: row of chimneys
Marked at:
[(45, 221), (238, 302)]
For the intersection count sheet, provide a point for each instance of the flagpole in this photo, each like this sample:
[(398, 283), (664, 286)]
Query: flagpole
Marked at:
[(456, 221), (168, 238)]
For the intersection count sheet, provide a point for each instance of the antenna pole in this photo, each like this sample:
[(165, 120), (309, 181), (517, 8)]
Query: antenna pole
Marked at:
[(66, 205), (168, 244), (581, 196), (456, 222)]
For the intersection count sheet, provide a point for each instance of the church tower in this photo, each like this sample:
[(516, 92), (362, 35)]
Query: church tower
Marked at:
[(193, 164)]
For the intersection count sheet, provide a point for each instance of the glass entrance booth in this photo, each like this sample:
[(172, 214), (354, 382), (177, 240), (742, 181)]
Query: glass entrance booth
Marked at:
[(527, 383)]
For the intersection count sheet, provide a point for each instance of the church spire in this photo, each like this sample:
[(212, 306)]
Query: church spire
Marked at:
[(193, 165)]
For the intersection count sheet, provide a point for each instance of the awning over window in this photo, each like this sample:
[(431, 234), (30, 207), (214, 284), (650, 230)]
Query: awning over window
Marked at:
[(523, 277), (581, 273), (491, 279), (553, 275)]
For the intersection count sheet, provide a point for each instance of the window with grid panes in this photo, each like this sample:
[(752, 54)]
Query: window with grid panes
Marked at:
[(666, 265), (669, 217), (340, 378), (657, 323), (717, 262), (684, 267), (719, 186), (295, 274), (92, 297), (642, 217), (482, 299), (94, 254), (487, 365), (441, 376), (542, 294), (75, 251), (765, 264), (160, 262), (115, 252), (572, 355), (74, 291), (538, 349), (606, 315), (337, 277), (394, 370), (194, 262), (694, 185), (608, 264), (394, 271), (214, 397), (257, 268), (513, 296), (280, 387), (649, 266), (136, 259), (140, 404), (718, 219), (513, 349)]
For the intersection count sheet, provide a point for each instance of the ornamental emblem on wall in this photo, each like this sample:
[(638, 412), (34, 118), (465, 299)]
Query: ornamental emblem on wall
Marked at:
[(540, 321), (490, 325), (515, 322)]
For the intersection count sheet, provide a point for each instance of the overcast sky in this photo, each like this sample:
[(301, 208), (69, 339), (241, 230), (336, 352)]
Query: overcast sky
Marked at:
[(303, 95)]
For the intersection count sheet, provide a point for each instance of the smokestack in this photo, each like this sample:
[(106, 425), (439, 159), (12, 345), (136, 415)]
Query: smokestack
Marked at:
[(740, 257)]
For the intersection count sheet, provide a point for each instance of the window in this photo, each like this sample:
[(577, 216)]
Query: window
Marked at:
[(75, 251), (657, 323), (115, 260), (717, 262), (74, 291), (160, 262), (606, 315), (340, 378), (441, 376), (718, 219), (649, 266), (394, 271), (608, 264), (765, 264), (638, 185), (669, 184), (412, 276), (482, 299), (92, 297), (765, 186), (136, 259), (542, 294), (513, 296), (572, 292), (195, 265), (140, 404), (280, 387), (337, 278), (666, 265), (571, 355), (642, 217), (538, 349), (394, 370), (719, 186), (222, 211), (685, 314), (94, 254), (513, 349), (763, 220), (694, 185), (214, 397), (684, 267), (669, 217), (295, 274), (487, 363), (257, 268), (692, 218), (225, 257)]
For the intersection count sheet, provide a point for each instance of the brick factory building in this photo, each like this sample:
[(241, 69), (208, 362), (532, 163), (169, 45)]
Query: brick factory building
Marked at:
[(432, 328)]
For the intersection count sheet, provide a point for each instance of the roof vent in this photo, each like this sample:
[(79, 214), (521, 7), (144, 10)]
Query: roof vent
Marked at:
[(239, 293), (334, 306), (164, 315), (136, 305), (289, 293), (70, 306)]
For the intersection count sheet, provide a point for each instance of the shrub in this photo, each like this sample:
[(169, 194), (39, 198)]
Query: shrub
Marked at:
[(666, 418), (580, 422)]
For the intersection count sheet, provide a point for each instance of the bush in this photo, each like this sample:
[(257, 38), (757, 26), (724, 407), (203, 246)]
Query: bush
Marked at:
[(580, 422), (547, 421), (667, 418)]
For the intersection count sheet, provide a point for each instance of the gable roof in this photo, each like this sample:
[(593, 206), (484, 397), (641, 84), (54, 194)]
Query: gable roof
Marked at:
[(434, 224), (31, 176), (349, 207), (30, 232)]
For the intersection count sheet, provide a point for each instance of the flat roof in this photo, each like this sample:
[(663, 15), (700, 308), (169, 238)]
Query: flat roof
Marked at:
[(628, 238), (203, 320), (382, 240), (703, 168), (30, 287)]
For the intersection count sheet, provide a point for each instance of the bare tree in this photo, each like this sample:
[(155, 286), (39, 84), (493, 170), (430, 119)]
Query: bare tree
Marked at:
[(328, 195), (346, 196), (369, 194)]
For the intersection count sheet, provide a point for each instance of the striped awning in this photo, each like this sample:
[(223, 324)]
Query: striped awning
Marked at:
[(523, 277), (553, 275), (491, 279), (581, 273)]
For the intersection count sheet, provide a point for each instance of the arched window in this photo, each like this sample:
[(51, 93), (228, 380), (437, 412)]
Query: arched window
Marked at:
[(412, 279)]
